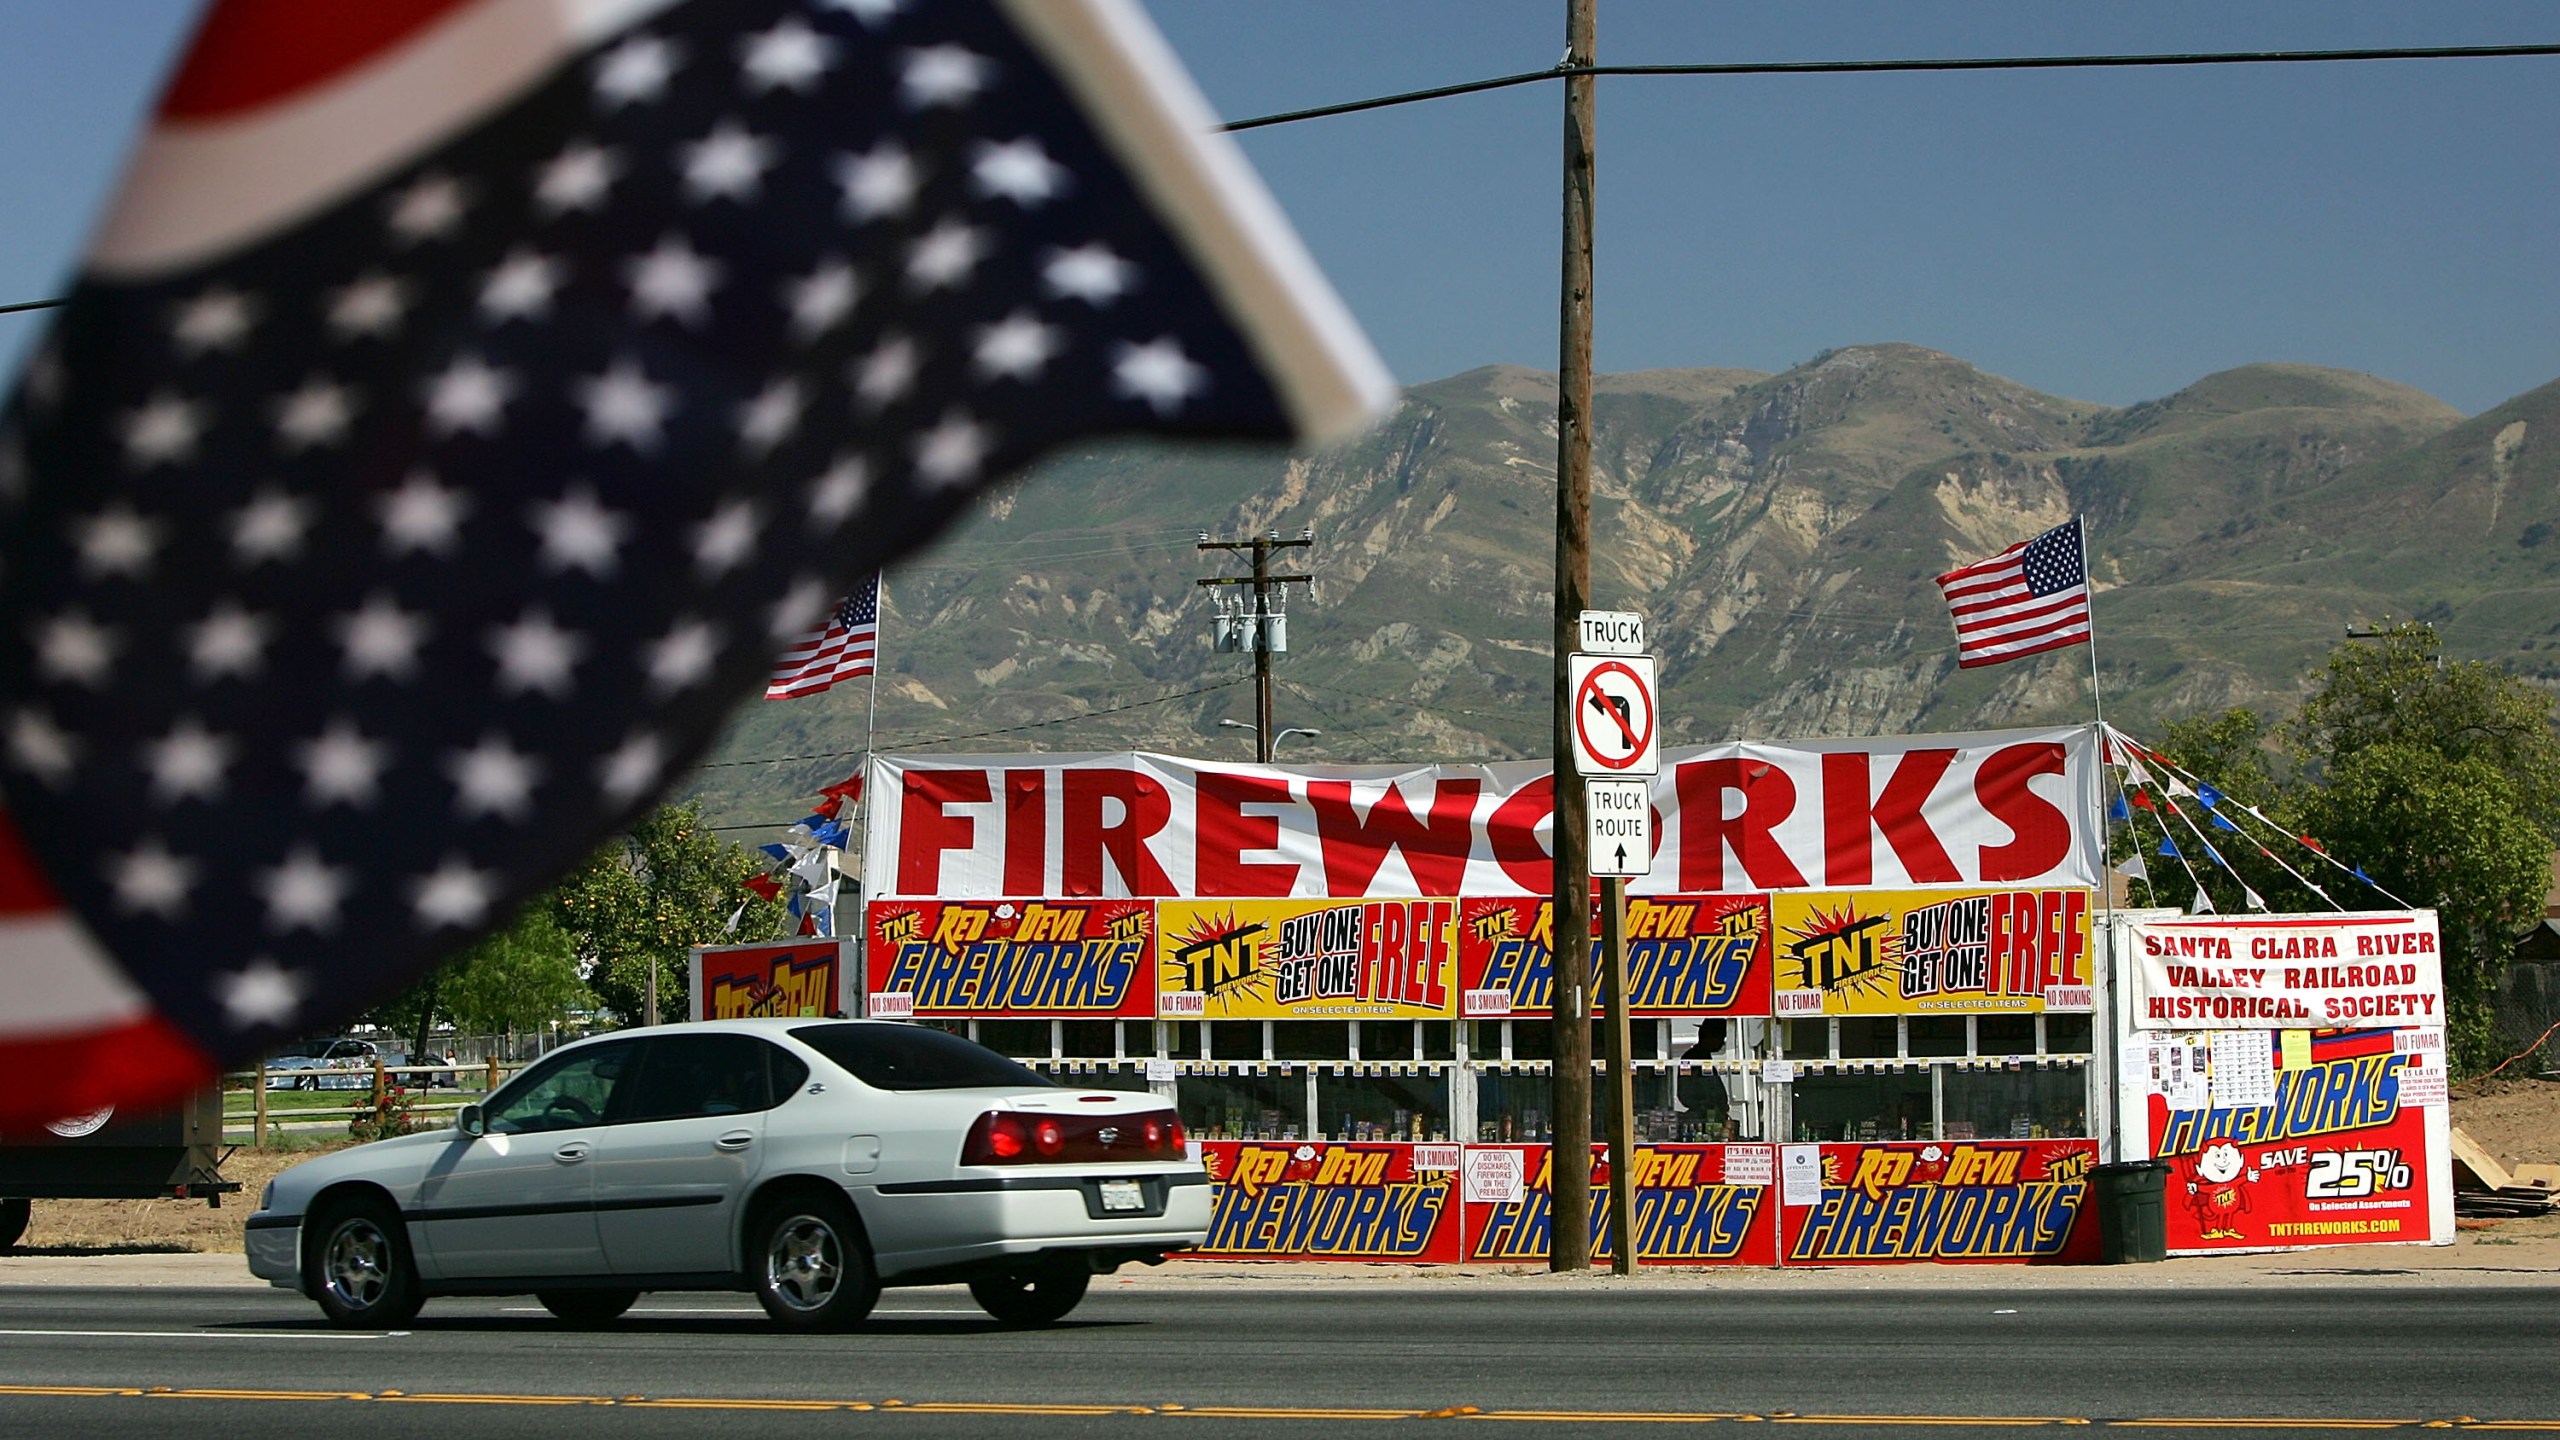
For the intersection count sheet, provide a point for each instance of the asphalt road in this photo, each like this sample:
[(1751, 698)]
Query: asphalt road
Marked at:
[(1255, 1359)]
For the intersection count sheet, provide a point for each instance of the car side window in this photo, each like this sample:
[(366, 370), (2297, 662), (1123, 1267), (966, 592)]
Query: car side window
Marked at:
[(576, 1090), (689, 1075)]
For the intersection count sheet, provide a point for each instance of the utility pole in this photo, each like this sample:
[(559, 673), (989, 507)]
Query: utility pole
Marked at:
[(1264, 631), (1569, 1228)]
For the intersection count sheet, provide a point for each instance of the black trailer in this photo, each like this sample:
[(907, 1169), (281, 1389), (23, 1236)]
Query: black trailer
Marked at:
[(165, 1154)]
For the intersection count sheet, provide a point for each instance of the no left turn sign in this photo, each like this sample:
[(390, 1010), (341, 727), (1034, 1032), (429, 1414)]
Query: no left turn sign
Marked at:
[(1616, 726)]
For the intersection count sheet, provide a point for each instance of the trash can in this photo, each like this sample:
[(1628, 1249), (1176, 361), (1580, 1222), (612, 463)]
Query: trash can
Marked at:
[(2133, 1211)]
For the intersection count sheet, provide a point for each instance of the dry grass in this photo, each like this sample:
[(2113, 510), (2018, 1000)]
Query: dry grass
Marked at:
[(61, 1227)]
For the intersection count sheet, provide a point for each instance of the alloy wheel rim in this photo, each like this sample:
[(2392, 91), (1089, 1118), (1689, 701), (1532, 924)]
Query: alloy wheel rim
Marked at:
[(358, 1272), (805, 1263)]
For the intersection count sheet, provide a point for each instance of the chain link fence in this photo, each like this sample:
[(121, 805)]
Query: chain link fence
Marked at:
[(2529, 1005)]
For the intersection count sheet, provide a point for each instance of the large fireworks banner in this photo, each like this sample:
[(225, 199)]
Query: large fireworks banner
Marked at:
[(1995, 808), (1695, 1204), (1047, 959), (1325, 1200), (1686, 955), (1953, 1200), (1909, 952), (2345, 1141), (796, 979), (1307, 960)]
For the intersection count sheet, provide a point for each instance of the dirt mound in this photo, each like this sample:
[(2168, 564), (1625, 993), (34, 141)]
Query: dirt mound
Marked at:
[(2516, 1120)]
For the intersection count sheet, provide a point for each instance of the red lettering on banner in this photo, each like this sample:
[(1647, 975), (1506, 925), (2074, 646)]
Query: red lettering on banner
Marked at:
[(1226, 832), (2075, 940), (1026, 832), (1385, 980), (1768, 798), (925, 829), (2043, 832), (1435, 843), (1431, 944), (1850, 819), (1513, 834), (1144, 811)]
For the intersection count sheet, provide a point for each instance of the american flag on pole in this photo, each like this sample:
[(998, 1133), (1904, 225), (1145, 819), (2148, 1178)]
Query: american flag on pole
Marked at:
[(844, 647), (2029, 598), (463, 402)]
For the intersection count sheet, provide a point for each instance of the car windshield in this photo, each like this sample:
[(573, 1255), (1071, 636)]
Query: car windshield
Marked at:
[(903, 1057), (307, 1050)]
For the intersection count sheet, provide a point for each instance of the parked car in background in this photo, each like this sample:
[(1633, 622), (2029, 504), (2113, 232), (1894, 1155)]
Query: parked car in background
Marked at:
[(810, 1162), (337, 1063)]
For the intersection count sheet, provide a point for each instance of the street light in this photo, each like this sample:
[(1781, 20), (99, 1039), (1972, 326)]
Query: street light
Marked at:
[(1276, 738)]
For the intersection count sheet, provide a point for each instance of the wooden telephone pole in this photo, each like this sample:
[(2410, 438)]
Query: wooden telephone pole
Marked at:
[(1569, 1222), (1263, 629)]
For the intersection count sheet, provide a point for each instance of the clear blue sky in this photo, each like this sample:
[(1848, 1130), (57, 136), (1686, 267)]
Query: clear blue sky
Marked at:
[(2107, 236)]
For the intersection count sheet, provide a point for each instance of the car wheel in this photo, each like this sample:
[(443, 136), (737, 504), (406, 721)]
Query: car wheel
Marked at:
[(359, 1268), (811, 1268), (14, 1215), (1037, 1293), (586, 1307)]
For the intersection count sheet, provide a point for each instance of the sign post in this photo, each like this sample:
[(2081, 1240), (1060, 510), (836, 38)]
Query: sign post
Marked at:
[(1617, 740)]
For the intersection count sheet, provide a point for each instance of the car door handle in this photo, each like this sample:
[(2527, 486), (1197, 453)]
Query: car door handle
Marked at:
[(572, 1153), (736, 1140)]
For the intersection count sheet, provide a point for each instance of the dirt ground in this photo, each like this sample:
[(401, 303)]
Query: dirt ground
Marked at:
[(2514, 1120), (2517, 1121)]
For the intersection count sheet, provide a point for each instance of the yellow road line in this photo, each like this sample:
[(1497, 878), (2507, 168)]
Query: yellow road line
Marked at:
[(1065, 1410)]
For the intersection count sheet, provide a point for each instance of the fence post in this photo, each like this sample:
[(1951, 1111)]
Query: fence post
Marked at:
[(493, 1077), (258, 1126), (377, 1084)]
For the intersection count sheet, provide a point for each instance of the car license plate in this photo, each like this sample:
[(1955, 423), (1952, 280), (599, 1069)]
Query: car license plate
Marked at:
[(1123, 1195)]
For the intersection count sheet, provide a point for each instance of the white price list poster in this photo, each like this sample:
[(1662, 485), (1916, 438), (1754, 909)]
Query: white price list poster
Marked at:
[(2244, 1069)]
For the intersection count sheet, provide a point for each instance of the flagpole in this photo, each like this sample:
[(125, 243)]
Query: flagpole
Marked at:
[(870, 721), (2088, 577)]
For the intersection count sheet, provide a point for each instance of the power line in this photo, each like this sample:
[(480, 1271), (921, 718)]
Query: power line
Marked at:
[(976, 734), (15, 306), (1888, 67)]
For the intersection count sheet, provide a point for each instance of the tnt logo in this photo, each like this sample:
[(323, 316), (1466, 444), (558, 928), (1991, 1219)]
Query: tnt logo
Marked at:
[(1217, 962), (1132, 926), (2072, 1167), (901, 929)]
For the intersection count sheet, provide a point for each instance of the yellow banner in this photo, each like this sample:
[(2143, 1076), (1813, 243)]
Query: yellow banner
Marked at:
[(1914, 952), (1307, 959)]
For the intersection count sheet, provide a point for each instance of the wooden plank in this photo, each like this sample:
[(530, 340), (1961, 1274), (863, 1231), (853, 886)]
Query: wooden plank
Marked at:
[(2475, 1168)]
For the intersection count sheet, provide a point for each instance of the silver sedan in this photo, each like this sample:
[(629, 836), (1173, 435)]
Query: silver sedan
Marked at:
[(811, 1162)]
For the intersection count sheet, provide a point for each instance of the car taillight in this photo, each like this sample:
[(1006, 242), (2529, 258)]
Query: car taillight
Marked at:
[(1010, 1137)]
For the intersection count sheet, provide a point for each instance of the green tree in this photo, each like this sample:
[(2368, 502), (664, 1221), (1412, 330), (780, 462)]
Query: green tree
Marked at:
[(2440, 778), (522, 977), (2443, 779), (653, 894)]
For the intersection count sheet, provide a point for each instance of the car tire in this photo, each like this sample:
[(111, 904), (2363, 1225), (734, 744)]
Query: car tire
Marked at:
[(14, 1214), (810, 1265), (1036, 1293), (358, 1266), (587, 1307)]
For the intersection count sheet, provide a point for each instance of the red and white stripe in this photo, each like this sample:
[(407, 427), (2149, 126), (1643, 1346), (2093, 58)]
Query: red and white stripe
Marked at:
[(834, 653), (254, 135), (75, 1033), (1998, 618)]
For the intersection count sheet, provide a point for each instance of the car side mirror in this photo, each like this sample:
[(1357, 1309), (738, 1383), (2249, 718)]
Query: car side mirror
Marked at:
[(468, 1121)]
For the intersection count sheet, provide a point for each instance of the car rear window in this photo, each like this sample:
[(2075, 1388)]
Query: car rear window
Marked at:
[(899, 1057)]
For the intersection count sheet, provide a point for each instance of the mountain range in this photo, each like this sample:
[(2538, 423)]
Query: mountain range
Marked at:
[(1780, 533)]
